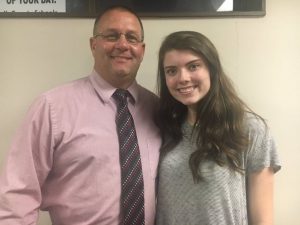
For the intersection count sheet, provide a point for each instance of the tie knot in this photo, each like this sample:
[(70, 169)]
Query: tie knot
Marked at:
[(121, 95)]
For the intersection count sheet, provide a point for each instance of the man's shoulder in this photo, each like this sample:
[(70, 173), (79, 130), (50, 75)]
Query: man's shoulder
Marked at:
[(146, 94), (69, 88), (70, 93)]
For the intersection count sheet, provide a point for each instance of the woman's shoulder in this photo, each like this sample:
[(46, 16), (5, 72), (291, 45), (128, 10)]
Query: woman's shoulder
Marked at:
[(255, 124), (254, 120)]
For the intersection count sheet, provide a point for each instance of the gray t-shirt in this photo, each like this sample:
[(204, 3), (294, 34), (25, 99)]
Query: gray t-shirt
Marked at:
[(221, 198)]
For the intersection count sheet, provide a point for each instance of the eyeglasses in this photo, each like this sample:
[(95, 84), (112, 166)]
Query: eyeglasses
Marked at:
[(131, 38)]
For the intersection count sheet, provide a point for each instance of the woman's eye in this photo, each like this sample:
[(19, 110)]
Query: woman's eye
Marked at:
[(194, 67), (170, 72)]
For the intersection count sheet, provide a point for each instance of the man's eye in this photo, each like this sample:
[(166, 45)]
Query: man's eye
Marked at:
[(111, 37), (132, 38)]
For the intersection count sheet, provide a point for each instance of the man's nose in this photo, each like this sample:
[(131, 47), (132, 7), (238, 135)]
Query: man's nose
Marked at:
[(122, 42)]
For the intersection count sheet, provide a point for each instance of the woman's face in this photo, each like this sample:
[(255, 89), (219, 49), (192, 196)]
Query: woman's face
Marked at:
[(187, 76)]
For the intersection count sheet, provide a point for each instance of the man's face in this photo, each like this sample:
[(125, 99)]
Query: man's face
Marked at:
[(117, 58)]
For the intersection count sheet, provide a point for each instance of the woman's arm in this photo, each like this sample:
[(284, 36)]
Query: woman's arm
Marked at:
[(260, 197)]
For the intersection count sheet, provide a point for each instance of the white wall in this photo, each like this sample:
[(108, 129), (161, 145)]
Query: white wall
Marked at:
[(262, 55)]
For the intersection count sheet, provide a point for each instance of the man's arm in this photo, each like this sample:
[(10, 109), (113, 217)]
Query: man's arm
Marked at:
[(27, 166)]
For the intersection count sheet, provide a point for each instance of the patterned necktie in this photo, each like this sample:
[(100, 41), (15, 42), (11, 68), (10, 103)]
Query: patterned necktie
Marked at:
[(132, 195)]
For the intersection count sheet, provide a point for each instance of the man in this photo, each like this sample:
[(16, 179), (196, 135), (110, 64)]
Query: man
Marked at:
[(65, 157)]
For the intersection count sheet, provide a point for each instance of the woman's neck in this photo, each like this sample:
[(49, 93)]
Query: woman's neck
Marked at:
[(191, 116)]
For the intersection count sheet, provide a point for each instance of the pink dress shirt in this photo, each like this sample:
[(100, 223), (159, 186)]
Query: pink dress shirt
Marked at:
[(65, 157)]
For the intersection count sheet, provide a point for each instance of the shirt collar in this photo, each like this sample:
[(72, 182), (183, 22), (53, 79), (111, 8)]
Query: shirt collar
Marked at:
[(105, 90)]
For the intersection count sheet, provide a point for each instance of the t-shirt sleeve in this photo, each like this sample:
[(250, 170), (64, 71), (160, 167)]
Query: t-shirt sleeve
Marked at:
[(262, 151)]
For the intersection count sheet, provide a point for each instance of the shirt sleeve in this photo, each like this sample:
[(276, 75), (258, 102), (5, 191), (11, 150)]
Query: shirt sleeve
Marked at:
[(28, 163), (262, 151)]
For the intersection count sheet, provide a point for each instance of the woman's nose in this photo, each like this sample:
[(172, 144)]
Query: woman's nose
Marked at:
[(184, 76)]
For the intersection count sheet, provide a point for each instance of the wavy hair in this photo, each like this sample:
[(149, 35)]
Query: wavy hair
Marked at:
[(219, 126)]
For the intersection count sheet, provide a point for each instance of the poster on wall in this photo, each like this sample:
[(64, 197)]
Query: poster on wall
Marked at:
[(33, 6), (145, 8)]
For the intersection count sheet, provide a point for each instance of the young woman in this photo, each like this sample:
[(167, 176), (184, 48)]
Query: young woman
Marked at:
[(218, 157)]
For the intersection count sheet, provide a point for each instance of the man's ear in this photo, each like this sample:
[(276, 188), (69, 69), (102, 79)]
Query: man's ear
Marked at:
[(92, 43), (144, 47)]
